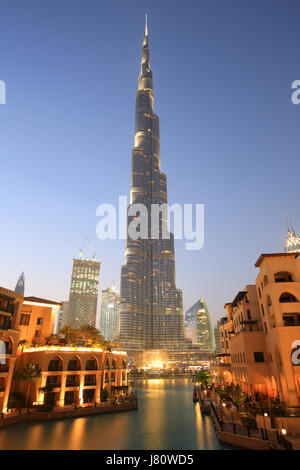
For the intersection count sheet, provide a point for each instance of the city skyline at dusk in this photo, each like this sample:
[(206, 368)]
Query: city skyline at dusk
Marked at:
[(68, 131)]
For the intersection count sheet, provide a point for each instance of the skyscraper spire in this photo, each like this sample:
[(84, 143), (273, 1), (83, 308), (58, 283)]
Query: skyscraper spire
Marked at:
[(146, 26)]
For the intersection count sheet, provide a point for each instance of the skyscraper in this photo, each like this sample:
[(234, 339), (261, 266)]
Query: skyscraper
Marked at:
[(292, 242), (151, 314), (109, 315), (217, 336), (197, 326), (83, 298), (20, 286)]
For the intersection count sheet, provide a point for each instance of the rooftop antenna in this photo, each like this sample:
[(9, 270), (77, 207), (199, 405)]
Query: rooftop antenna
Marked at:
[(287, 223), (292, 228)]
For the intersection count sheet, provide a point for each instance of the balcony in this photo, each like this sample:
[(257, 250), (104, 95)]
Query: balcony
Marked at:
[(3, 368)]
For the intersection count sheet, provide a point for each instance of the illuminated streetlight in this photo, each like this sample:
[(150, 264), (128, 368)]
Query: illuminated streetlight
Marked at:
[(283, 431)]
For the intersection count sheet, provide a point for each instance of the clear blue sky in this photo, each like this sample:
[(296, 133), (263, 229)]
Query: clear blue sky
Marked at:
[(229, 132)]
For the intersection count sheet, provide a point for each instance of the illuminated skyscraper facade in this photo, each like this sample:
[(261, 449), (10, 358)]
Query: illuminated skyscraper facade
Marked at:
[(151, 314), (20, 286), (83, 293), (292, 242), (109, 315), (197, 326)]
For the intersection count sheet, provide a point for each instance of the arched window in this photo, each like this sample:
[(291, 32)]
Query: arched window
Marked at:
[(113, 364), (287, 297), (124, 365), (55, 364), (283, 277), (74, 364), (91, 364), (8, 346), (107, 364)]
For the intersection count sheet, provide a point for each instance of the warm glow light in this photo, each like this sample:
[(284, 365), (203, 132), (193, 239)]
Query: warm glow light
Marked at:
[(62, 348), (283, 431)]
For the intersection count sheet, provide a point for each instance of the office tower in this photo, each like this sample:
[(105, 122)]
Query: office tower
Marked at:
[(109, 314), (62, 317), (151, 315), (83, 292), (20, 286), (197, 326), (292, 242), (217, 336)]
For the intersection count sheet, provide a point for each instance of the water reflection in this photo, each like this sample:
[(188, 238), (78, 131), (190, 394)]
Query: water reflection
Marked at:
[(166, 419)]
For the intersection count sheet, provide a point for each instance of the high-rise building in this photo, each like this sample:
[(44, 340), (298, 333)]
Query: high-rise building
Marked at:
[(151, 313), (109, 314), (217, 336), (83, 292), (292, 242), (197, 326), (20, 286), (62, 316)]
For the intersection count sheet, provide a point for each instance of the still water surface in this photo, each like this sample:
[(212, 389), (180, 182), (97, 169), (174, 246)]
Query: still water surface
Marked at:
[(166, 419)]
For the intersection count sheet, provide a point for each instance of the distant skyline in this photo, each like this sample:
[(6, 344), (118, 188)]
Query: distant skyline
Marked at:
[(222, 86)]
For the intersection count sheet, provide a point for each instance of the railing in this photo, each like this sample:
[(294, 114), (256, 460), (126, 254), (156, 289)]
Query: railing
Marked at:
[(234, 428)]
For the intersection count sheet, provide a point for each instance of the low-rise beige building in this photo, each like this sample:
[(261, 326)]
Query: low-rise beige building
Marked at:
[(73, 375), (69, 375), (260, 332), (10, 306)]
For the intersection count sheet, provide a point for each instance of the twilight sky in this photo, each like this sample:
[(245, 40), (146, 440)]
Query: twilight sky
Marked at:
[(229, 132)]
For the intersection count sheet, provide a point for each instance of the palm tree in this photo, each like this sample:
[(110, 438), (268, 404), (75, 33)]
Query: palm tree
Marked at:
[(29, 373), (22, 343), (88, 333), (68, 332), (203, 377)]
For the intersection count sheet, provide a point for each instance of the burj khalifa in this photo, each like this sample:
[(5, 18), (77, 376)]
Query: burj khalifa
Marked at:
[(151, 311)]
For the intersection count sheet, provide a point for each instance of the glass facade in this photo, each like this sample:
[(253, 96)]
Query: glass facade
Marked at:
[(197, 326), (109, 315), (83, 298), (151, 312)]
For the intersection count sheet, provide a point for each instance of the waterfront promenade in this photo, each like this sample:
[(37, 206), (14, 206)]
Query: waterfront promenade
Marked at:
[(67, 412), (166, 419)]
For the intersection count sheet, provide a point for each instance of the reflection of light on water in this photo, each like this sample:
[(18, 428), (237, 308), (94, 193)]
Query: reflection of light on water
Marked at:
[(77, 433), (205, 436), (155, 381)]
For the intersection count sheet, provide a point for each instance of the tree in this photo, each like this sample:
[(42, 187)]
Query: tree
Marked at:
[(203, 377), (29, 373), (88, 333), (69, 333), (22, 343)]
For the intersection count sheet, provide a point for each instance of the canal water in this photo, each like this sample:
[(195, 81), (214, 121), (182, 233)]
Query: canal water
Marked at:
[(167, 419)]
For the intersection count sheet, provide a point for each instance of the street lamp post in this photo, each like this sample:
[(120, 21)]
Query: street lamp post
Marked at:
[(265, 416)]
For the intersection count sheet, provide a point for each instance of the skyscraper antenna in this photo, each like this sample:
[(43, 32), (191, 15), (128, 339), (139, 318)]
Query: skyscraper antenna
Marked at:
[(291, 224), (287, 223), (146, 25)]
